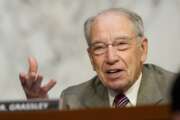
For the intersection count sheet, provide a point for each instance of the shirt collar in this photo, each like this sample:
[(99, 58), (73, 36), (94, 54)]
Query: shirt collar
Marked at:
[(131, 93)]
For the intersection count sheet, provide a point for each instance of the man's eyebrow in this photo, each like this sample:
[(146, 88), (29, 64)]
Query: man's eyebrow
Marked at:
[(122, 38), (97, 42)]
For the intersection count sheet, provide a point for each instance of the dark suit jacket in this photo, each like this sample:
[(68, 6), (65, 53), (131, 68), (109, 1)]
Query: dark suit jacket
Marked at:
[(154, 89)]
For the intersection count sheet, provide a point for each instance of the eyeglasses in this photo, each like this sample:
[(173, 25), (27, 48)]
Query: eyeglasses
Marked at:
[(121, 44)]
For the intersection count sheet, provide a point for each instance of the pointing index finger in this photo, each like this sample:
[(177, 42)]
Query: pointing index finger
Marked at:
[(33, 65)]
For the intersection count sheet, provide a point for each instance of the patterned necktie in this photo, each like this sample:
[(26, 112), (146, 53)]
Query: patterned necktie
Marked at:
[(120, 101)]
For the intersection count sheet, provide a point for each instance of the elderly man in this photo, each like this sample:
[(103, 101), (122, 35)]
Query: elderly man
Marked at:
[(117, 50)]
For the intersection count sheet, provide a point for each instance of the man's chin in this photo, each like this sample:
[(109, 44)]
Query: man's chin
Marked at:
[(117, 87)]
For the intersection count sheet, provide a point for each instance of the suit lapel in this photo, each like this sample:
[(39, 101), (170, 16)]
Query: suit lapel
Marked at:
[(98, 96), (149, 92)]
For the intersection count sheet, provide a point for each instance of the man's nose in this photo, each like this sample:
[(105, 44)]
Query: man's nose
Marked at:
[(111, 55)]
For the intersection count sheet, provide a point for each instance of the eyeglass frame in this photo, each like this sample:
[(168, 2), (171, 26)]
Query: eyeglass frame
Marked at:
[(123, 40)]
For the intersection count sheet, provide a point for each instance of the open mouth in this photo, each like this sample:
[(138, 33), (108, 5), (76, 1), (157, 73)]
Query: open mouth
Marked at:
[(114, 73)]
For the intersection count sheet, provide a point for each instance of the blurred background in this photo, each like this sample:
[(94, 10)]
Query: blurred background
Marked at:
[(52, 31)]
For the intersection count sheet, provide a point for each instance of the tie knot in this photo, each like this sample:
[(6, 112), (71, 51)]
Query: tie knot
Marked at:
[(120, 101)]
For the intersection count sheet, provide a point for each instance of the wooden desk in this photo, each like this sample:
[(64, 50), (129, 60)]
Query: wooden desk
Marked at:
[(136, 113)]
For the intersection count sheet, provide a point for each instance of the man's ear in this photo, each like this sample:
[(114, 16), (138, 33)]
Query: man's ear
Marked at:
[(144, 49), (91, 58)]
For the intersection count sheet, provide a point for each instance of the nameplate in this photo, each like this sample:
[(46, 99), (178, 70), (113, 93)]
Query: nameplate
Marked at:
[(29, 105)]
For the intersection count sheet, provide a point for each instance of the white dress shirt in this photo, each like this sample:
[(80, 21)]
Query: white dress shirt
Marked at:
[(131, 93)]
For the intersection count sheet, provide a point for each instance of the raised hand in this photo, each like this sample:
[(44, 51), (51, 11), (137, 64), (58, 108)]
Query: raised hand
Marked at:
[(31, 82)]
